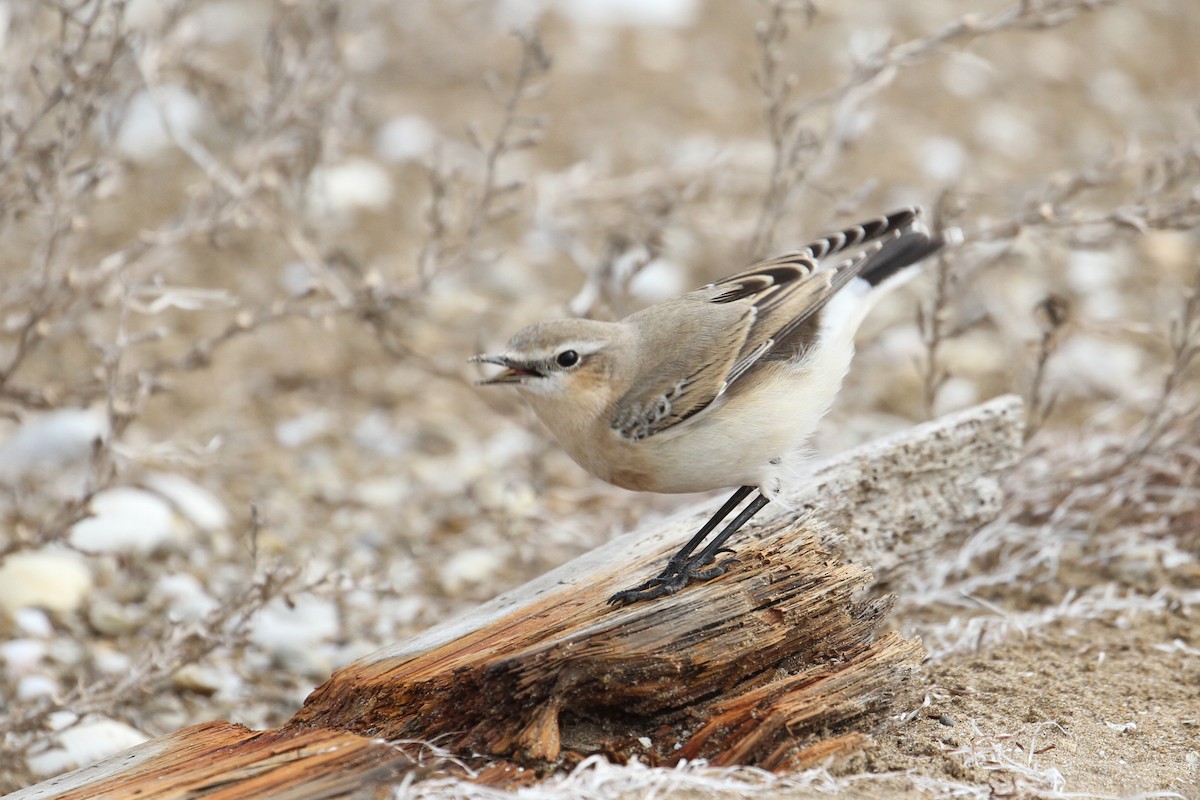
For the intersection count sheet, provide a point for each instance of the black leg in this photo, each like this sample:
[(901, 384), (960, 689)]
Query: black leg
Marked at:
[(683, 567), (724, 511), (675, 564), (709, 554)]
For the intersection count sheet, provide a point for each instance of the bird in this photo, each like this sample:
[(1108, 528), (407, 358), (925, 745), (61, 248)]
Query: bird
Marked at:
[(717, 387)]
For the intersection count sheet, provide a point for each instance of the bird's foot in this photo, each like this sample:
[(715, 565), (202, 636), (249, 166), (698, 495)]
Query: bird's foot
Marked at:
[(675, 576)]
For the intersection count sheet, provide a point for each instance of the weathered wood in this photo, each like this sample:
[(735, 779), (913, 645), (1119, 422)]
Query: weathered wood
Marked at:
[(569, 674), (221, 760), (893, 502), (549, 671), (778, 663)]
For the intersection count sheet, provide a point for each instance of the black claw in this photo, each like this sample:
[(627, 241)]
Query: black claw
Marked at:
[(671, 581), (645, 592), (715, 572)]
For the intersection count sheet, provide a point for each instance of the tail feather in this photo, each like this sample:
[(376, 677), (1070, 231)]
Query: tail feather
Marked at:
[(889, 224), (905, 250)]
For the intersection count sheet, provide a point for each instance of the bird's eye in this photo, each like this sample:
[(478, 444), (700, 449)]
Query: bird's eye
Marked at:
[(567, 358)]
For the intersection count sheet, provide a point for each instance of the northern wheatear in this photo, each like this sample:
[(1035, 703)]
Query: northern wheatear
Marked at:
[(716, 387)]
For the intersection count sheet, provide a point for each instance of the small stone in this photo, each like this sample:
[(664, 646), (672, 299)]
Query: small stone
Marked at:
[(200, 506), (50, 442), (33, 622), (302, 429), (468, 567), (197, 679), (114, 619), (126, 521), (356, 183), (51, 578), (942, 158), (85, 744), (186, 599), (32, 687), (294, 633), (657, 281), (110, 661), (22, 656), (143, 136), (405, 138)]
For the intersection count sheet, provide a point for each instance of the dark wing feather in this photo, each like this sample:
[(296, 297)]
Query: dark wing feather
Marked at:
[(767, 312), (682, 380)]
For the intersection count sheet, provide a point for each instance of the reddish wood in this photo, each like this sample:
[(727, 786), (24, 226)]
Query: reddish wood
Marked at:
[(219, 761)]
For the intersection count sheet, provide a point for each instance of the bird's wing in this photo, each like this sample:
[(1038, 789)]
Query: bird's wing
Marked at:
[(715, 335), (684, 373)]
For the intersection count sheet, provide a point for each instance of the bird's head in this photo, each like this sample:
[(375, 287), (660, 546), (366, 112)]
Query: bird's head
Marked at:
[(568, 358)]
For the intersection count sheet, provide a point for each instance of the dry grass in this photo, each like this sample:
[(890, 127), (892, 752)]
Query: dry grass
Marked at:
[(254, 243)]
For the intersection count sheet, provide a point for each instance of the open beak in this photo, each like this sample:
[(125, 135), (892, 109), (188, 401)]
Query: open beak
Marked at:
[(513, 372)]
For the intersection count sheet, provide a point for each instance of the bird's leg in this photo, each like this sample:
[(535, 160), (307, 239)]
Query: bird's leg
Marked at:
[(709, 553), (681, 556), (677, 561), (683, 567)]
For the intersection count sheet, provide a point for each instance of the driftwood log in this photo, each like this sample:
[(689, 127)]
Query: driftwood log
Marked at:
[(780, 663)]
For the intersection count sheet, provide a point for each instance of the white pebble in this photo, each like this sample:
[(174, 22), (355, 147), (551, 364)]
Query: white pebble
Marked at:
[(292, 633), (85, 744), (31, 687), (199, 505), (143, 135), (505, 446), (376, 434), (657, 281), (1091, 270), (942, 158), (33, 622), (954, 394), (1089, 363), (297, 279), (381, 492), (406, 138), (52, 578), (111, 661), (114, 619), (347, 187), (967, 75), (186, 599), (630, 13), (126, 520), (61, 720), (1171, 250), (468, 567), (1007, 130), (197, 678), (22, 656), (50, 442), (304, 428)]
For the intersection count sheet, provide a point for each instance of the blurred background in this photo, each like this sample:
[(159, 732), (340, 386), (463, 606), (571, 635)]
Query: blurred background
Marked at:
[(249, 246)]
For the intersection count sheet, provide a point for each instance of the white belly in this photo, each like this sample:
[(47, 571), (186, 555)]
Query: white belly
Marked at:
[(734, 443)]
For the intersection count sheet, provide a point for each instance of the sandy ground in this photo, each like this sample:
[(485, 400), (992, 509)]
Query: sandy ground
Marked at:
[(301, 368)]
